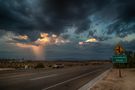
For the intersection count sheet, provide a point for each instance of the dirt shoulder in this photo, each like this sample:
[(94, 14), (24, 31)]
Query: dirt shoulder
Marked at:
[(113, 82)]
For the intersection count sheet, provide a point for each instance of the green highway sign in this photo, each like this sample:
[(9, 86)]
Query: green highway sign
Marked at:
[(119, 59)]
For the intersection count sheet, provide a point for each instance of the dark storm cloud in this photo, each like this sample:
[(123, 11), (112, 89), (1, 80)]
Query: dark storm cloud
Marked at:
[(83, 26), (14, 16), (53, 16), (72, 12), (127, 10), (125, 22), (122, 28), (132, 45), (24, 16)]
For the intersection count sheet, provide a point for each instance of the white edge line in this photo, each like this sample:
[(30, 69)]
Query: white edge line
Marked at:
[(68, 80), (91, 83)]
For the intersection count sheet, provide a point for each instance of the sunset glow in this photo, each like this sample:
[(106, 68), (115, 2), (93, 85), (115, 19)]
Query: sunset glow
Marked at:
[(91, 40), (37, 50), (24, 37), (38, 46)]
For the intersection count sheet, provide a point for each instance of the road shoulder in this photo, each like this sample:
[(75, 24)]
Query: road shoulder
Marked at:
[(113, 82), (91, 83)]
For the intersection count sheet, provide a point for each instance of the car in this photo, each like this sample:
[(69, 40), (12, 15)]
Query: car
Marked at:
[(58, 66)]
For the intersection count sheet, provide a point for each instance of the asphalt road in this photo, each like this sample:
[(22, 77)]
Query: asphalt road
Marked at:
[(57, 79)]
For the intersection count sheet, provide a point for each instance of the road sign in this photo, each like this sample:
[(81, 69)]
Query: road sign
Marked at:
[(119, 59), (119, 49)]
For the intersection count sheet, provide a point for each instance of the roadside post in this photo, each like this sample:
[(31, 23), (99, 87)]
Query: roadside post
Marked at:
[(119, 57)]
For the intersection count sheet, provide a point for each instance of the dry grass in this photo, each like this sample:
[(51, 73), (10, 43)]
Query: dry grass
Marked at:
[(113, 82), (47, 64)]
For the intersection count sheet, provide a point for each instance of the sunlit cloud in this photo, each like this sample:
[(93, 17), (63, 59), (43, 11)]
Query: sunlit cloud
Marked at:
[(46, 39), (43, 40), (81, 43), (24, 45), (92, 40), (23, 37), (38, 46)]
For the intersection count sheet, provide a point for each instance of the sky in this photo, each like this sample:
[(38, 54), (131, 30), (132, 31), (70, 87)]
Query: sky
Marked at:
[(65, 29)]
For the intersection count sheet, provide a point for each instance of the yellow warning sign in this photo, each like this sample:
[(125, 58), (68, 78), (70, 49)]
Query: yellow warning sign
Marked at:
[(119, 49)]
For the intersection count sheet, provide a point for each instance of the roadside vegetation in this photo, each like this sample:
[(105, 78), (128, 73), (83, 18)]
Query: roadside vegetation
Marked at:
[(17, 64), (39, 65)]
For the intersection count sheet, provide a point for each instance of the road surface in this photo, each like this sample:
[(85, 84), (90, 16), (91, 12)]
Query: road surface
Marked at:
[(56, 79)]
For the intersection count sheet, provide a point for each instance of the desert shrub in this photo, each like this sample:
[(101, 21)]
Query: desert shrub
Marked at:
[(40, 65)]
